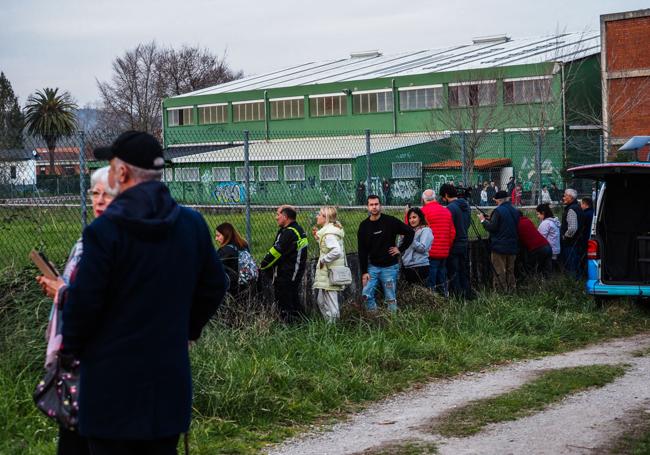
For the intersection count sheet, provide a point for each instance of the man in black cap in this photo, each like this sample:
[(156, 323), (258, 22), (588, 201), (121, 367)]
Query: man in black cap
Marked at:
[(148, 281), (504, 241)]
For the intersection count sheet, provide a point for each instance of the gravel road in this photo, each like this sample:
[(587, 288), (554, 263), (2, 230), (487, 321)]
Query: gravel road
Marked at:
[(576, 425)]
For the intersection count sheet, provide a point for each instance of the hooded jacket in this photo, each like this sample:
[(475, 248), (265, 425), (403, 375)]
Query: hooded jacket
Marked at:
[(442, 226), (331, 254), (460, 214), (502, 227), (148, 281)]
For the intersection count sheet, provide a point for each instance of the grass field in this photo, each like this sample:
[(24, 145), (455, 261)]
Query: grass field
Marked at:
[(263, 382)]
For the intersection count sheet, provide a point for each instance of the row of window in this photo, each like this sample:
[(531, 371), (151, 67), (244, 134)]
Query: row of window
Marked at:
[(482, 93), (292, 173)]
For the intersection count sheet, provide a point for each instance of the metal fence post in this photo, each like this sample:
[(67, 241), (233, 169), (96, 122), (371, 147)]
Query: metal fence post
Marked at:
[(463, 158), (247, 184), (601, 149), (82, 179), (538, 169), (368, 177)]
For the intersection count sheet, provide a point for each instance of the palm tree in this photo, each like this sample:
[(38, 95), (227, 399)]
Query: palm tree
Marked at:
[(50, 115)]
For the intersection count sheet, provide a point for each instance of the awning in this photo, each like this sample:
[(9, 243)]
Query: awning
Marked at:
[(479, 164)]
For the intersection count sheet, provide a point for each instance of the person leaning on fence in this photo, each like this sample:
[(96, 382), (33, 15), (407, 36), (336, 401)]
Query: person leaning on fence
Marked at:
[(415, 260), (147, 283), (502, 227), (570, 231), (231, 246), (458, 260), (442, 225), (540, 255), (287, 259), (378, 255), (329, 234), (549, 228), (70, 442)]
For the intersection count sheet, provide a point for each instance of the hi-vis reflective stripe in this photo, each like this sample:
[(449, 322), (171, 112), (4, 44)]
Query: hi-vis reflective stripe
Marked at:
[(302, 242), (276, 255)]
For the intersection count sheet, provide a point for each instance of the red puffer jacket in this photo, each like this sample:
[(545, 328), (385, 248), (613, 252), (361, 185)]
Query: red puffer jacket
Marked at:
[(439, 220)]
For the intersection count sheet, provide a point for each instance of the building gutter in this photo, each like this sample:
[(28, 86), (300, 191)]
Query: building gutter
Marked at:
[(266, 115), (395, 105)]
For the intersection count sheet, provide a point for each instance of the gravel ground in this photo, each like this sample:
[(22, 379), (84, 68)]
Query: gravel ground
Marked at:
[(576, 425)]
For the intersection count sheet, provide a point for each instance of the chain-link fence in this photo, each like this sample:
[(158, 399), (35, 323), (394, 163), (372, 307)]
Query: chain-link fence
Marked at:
[(242, 177)]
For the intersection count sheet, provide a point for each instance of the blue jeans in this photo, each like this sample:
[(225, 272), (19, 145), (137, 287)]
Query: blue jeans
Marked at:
[(458, 271), (438, 275), (570, 258), (387, 276)]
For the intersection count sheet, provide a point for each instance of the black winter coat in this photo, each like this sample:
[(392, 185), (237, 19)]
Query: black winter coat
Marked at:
[(460, 214), (148, 281), (503, 229)]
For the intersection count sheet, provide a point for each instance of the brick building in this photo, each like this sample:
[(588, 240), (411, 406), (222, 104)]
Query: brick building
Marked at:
[(625, 59)]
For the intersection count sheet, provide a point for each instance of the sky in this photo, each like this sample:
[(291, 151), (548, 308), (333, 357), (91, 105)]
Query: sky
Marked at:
[(71, 44)]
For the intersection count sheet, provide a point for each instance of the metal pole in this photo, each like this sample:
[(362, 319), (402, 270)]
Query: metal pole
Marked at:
[(247, 183), (601, 149), (538, 168), (463, 158), (82, 180), (368, 163)]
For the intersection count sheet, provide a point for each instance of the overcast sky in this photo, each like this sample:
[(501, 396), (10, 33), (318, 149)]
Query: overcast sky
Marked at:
[(71, 43)]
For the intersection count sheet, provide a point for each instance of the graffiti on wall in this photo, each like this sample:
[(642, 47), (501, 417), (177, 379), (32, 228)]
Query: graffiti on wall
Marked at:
[(404, 190), (437, 180), (230, 193), (549, 171)]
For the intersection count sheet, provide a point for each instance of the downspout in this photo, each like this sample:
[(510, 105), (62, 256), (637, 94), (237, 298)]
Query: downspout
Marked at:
[(266, 115), (162, 120), (564, 138), (395, 106)]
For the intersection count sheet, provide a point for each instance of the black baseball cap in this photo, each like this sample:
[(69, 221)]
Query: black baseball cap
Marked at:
[(501, 195), (137, 148)]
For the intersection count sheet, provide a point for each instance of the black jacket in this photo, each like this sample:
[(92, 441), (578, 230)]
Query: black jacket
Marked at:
[(502, 227), (374, 238), (148, 281), (288, 255), (229, 255), (575, 240), (460, 214)]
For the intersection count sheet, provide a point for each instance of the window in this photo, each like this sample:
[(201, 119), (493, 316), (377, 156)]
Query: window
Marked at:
[(328, 105), (369, 102), (346, 172), (168, 175), (411, 99), (483, 93), (188, 174), (179, 116), (221, 174), (287, 108), (217, 113), (293, 173), (268, 173), (248, 111), (12, 172), (407, 170), (240, 177), (529, 90)]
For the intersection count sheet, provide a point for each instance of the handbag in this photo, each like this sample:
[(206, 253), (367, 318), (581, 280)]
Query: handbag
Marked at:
[(340, 275), (57, 394)]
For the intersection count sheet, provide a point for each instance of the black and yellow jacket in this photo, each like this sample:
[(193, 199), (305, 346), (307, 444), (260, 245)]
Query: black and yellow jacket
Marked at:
[(288, 255)]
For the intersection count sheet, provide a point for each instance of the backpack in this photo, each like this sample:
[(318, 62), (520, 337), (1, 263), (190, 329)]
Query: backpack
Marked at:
[(248, 270)]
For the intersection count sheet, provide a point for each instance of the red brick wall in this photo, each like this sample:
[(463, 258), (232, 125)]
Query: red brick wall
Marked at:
[(628, 44), (629, 106)]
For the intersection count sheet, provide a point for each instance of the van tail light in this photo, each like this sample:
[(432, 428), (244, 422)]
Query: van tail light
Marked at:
[(593, 249)]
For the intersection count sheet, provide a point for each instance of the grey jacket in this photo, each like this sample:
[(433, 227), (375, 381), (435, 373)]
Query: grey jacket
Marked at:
[(417, 254)]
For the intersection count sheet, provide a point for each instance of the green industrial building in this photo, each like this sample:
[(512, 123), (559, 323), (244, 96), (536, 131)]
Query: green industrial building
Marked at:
[(533, 103)]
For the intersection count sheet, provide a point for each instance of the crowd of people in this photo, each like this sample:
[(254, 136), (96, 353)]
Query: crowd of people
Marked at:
[(145, 278)]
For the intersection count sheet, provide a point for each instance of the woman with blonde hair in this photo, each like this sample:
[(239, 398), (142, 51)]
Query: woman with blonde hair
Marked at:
[(329, 234)]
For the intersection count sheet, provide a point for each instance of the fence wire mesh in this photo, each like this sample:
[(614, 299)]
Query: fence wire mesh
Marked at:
[(241, 177)]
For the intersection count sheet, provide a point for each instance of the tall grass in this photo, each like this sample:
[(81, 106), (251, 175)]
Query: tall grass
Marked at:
[(260, 381)]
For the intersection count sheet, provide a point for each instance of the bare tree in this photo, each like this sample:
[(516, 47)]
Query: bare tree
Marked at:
[(145, 75), (472, 110)]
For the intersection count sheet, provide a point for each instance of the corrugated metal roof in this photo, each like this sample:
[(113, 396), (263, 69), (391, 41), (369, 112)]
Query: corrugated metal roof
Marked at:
[(562, 47), (16, 155), (306, 149)]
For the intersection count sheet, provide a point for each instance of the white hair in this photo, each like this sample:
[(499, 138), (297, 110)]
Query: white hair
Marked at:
[(428, 195), (99, 176), (571, 192), (139, 174)]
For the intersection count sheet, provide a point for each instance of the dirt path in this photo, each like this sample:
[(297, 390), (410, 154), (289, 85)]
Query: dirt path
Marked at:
[(576, 425)]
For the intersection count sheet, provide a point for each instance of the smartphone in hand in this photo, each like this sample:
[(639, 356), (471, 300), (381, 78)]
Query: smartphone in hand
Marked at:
[(44, 265)]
